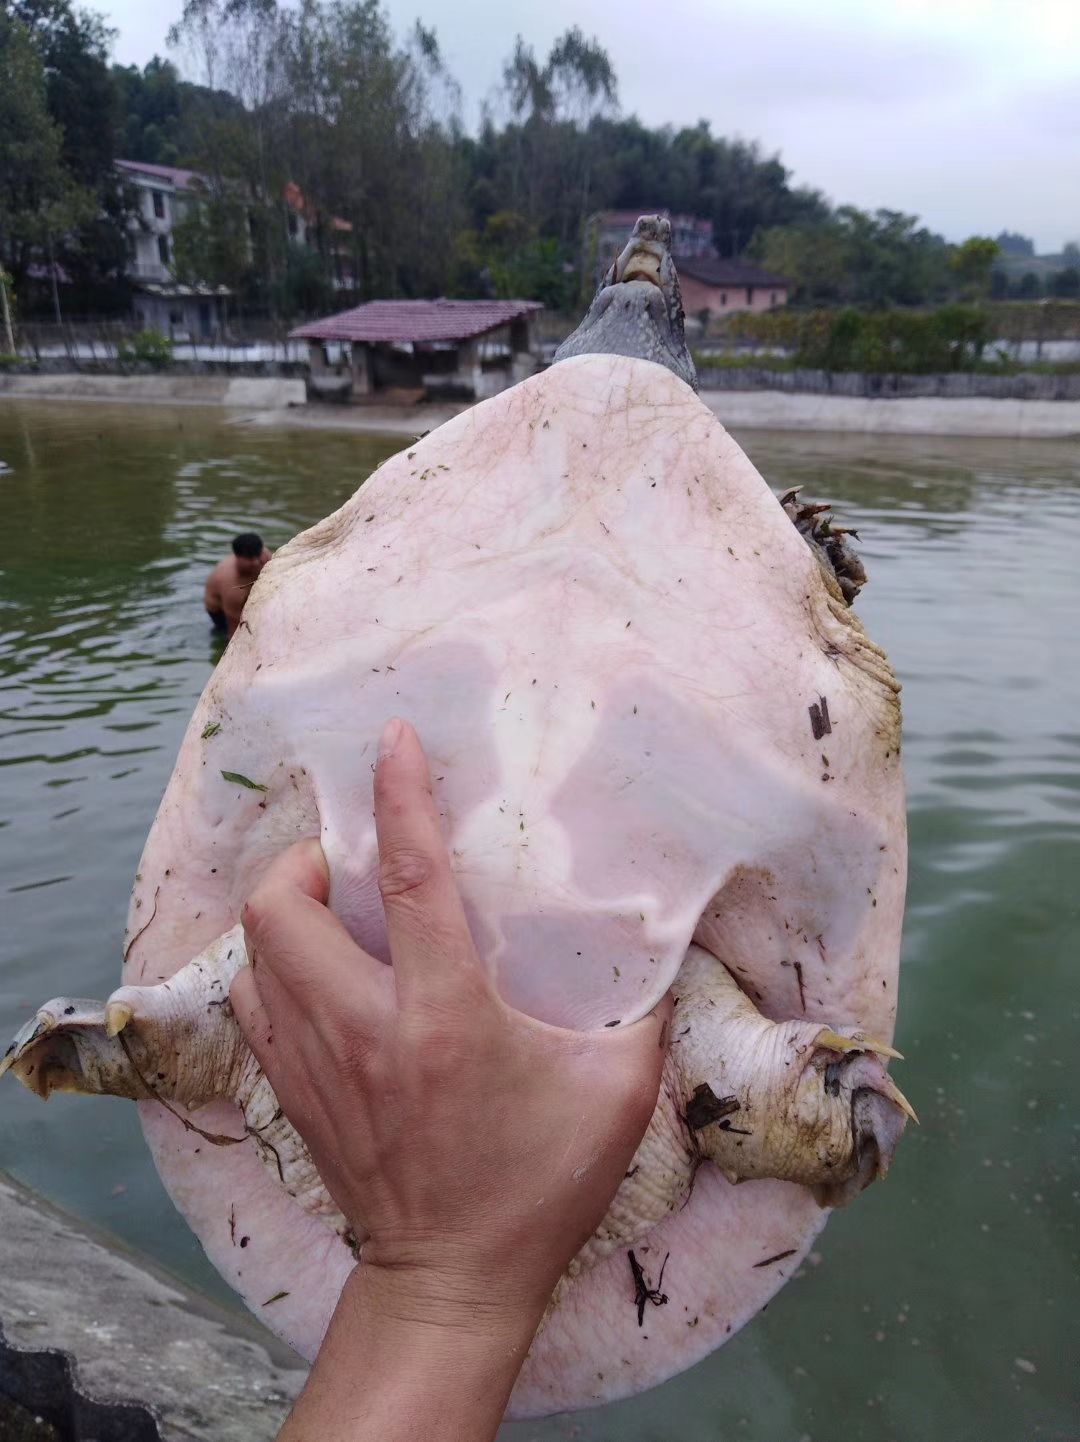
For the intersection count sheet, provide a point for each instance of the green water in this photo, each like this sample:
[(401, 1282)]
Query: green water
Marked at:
[(946, 1303)]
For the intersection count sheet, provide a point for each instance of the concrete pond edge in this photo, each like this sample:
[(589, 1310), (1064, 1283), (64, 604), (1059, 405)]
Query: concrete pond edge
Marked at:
[(138, 1347)]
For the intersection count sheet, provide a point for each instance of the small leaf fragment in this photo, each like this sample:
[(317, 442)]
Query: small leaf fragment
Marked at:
[(275, 1298), (244, 781), (211, 730)]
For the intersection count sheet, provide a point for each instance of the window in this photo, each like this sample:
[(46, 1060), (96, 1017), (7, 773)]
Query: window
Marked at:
[(772, 298), (749, 295), (723, 297), (163, 249), (158, 198), (176, 317)]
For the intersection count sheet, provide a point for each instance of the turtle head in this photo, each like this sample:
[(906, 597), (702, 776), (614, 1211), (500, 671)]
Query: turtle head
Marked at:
[(638, 309)]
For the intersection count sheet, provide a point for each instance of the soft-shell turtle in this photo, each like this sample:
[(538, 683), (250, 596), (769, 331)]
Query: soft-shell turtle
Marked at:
[(667, 755)]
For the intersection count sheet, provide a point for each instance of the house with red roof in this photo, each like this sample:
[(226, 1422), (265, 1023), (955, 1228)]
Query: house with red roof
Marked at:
[(467, 349), (712, 287)]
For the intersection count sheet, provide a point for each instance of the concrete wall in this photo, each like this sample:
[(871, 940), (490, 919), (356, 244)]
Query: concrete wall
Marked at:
[(783, 411), (129, 1337), (1029, 386), (250, 392)]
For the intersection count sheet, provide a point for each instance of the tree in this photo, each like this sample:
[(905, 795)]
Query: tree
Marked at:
[(855, 257), (91, 245), (553, 142), (38, 198), (973, 262), (1066, 283), (1029, 286)]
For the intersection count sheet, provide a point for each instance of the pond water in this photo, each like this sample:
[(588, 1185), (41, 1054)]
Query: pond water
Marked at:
[(945, 1303)]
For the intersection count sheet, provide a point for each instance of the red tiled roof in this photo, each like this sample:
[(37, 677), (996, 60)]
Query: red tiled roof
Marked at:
[(180, 178), (416, 320), (727, 272)]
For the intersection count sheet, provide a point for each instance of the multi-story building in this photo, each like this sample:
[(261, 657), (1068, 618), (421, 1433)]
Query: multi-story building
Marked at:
[(164, 196)]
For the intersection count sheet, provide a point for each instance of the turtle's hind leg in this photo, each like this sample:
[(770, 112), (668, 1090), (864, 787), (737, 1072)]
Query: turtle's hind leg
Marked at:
[(828, 542)]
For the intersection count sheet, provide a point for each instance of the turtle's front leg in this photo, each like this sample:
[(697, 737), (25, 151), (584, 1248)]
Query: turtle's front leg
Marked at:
[(177, 1044)]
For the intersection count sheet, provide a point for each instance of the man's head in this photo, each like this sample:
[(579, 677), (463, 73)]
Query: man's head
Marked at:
[(248, 549)]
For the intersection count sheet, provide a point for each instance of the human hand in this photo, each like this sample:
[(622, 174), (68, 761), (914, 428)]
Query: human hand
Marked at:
[(475, 1148)]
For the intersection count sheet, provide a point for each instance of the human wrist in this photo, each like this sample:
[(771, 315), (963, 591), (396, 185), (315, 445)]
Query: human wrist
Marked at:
[(443, 1303)]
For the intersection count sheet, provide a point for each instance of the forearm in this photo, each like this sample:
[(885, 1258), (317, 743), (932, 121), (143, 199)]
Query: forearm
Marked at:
[(394, 1369)]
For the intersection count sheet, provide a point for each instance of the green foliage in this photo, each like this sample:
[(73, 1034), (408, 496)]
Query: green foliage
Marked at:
[(38, 196), (913, 342), (1039, 320), (162, 118), (859, 258), (973, 262), (1066, 283), (509, 260), (88, 241), (211, 239), (305, 287), (149, 347)]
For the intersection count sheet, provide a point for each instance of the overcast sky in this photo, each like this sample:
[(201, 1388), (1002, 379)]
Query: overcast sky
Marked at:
[(964, 112)]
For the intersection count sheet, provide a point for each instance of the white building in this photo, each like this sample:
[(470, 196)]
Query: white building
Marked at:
[(165, 195)]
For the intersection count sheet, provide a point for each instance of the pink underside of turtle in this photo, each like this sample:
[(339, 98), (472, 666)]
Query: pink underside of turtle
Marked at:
[(609, 637)]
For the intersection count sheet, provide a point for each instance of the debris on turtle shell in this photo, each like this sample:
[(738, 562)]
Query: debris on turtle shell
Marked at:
[(776, 1257), (819, 719), (642, 1291), (705, 1107), (240, 780)]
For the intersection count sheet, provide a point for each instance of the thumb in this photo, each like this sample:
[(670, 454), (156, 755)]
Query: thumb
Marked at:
[(251, 1015)]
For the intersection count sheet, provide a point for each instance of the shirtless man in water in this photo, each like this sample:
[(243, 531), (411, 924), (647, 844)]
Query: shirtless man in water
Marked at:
[(229, 582)]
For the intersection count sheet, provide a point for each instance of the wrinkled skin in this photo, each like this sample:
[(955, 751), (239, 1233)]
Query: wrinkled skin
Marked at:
[(665, 753), (637, 310)]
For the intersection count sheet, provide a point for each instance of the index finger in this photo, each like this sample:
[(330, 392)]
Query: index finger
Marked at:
[(430, 943)]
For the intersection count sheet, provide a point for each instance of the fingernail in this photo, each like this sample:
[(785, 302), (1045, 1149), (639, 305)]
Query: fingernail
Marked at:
[(389, 738)]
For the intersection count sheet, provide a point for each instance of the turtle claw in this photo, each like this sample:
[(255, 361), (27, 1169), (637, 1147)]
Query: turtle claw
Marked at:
[(890, 1090), (858, 1041), (814, 523), (117, 1016), (64, 1047), (23, 1039)]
